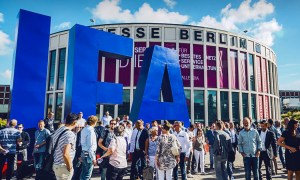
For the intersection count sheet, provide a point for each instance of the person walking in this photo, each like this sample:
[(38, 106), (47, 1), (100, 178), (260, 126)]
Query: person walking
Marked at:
[(210, 141), (89, 147), (280, 149), (291, 142), (199, 152), (249, 144), (164, 158)]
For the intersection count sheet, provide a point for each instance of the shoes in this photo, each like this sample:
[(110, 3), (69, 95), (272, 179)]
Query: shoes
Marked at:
[(203, 173), (190, 175)]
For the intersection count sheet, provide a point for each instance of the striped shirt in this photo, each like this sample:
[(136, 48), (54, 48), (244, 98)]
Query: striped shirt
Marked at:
[(8, 139), (68, 137)]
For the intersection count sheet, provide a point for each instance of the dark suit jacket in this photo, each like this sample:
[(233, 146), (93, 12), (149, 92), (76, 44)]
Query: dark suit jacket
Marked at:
[(270, 143), (143, 137)]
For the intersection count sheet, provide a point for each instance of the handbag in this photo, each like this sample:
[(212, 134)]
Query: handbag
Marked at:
[(148, 173), (175, 148), (49, 160)]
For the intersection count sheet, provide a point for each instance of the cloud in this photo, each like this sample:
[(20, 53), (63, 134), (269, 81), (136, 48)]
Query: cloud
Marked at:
[(63, 26), (1, 17), (110, 11), (170, 3), (6, 74), (233, 19), (5, 43)]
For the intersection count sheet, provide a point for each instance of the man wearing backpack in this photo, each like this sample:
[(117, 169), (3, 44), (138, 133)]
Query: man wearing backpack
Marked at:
[(221, 149)]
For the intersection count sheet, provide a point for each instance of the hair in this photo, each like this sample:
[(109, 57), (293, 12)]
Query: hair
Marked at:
[(290, 126), (92, 120), (100, 123), (20, 125), (71, 118), (179, 123), (112, 120), (248, 119), (270, 121), (167, 126), (220, 124), (154, 121), (41, 121), (119, 131), (153, 129), (199, 130), (263, 122), (192, 126), (13, 122)]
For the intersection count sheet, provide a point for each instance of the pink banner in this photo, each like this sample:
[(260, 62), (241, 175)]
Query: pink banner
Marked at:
[(263, 72), (110, 70), (266, 107), (260, 107), (223, 64), (124, 72), (139, 49), (244, 72), (185, 64), (265, 62), (258, 73), (154, 43), (198, 65), (211, 66), (234, 70)]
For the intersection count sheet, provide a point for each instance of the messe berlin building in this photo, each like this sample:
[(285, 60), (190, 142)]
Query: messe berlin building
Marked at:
[(225, 75)]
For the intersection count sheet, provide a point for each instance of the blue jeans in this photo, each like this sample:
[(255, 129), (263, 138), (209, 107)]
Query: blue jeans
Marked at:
[(251, 163), (182, 165), (221, 169), (211, 156), (229, 170), (38, 159), (87, 167)]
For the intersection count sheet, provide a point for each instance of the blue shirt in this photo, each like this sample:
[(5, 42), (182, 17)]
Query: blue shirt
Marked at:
[(249, 142), (8, 139), (152, 147), (210, 137), (40, 137)]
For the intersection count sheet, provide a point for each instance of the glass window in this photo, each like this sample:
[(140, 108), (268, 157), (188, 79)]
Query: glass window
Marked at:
[(212, 106), (251, 72), (245, 104), (243, 71), (51, 70), (234, 70), (1, 95), (1, 88), (253, 106), (224, 106), (61, 68), (188, 100), (7, 95), (59, 106), (49, 103), (6, 101), (199, 106), (1, 101), (110, 109), (124, 109), (235, 107)]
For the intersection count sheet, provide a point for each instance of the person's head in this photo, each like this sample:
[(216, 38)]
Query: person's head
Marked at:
[(226, 124), (154, 131), (286, 121), (154, 123), (92, 121), (219, 125), (263, 125), (191, 128), (199, 132), (107, 113), (292, 126), (198, 125), (13, 123), (80, 115), (129, 124), (125, 117), (50, 115), (118, 119), (119, 130), (277, 124), (177, 126), (112, 124), (270, 122), (213, 126), (147, 125), (71, 120), (41, 124), (20, 127), (139, 124), (166, 127), (231, 125), (247, 123)]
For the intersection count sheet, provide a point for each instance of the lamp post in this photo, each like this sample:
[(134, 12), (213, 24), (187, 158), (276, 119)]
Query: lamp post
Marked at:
[(93, 21)]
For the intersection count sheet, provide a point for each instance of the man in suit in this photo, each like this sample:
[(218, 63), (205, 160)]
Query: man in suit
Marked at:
[(139, 146), (268, 151)]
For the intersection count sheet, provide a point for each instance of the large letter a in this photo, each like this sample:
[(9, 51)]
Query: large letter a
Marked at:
[(160, 71)]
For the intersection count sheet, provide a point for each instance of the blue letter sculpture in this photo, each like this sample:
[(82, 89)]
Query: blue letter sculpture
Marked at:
[(28, 87), (83, 91), (160, 71)]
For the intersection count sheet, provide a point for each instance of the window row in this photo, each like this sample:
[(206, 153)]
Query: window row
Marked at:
[(59, 70)]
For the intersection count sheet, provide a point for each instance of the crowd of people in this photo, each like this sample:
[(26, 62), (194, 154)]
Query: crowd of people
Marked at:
[(78, 145)]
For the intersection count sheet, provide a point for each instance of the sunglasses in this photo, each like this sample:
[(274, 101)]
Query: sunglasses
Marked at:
[(113, 123), (20, 127)]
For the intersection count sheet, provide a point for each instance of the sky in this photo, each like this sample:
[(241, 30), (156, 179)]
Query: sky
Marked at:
[(273, 22)]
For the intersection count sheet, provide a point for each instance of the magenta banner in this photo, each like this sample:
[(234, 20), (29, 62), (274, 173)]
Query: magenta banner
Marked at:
[(244, 72), (258, 74), (154, 43), (185, 64), (223, 64), (267, 75), (260, 107), (198, 65), (234, 70), (139, 49), (266, 107), (124, 72), (110, 70), (211, 66)]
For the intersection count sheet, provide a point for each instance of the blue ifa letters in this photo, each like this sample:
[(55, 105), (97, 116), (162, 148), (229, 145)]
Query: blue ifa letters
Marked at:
[(160, 70)]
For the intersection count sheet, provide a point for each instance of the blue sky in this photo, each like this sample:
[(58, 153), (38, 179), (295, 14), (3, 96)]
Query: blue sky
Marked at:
[(272, 22)]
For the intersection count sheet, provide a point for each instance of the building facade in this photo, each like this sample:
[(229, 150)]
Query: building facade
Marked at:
[(4, 100), (289, 99), (226, 75)]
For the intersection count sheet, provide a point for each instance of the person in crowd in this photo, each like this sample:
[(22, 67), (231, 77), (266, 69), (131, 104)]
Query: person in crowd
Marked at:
[(249, 144), (118, 120), (49, 122), (190, 132), (221, 148), (65, 151), (128, 131), (272, 128), (199, 153), (77, 165), (231, 152), (291, 142), (152, 148), (185, 144), (39, 151), (9, 137), (148, 127), (268, 150), (104, 142), (234, 138), (106, 119), (155, 124), (280, 149), (140, 146), (125, 118), (89, 147), (164, 158), (117, 151), (22, 145), (210, 141), (81, 121)]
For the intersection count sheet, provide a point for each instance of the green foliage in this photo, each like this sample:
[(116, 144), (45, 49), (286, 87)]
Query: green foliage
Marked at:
[(3, 123), (292, 114)]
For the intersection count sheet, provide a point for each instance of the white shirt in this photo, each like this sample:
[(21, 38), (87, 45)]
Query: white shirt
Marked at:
[(184, 142), (105, 120), (132, 140), (263, 140), (81, 122), (89, 141), (233, 139), (118, 157), (128, 133)]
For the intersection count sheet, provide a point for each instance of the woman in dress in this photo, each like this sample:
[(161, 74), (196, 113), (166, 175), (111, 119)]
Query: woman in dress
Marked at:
[(199, 152), (164, 158), (291, 142)]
